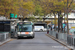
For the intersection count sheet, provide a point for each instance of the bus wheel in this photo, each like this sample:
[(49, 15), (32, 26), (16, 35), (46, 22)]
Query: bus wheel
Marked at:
[(18, 37), (41, 30), (32, 37)]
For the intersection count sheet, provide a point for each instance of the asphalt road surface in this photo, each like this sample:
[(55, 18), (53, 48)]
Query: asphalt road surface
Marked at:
[(40, 42)]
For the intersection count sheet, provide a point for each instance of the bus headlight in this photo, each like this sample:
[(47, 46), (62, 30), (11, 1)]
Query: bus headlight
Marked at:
[(18, 33), (31, 33)]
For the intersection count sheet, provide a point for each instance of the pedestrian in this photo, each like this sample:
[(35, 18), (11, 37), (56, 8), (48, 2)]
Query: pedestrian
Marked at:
[(51, 28)]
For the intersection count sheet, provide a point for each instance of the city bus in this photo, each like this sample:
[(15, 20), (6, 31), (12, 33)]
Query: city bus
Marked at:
[(25, 29)]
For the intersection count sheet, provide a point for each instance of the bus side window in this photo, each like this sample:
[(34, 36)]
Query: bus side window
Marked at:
[(32, 27)]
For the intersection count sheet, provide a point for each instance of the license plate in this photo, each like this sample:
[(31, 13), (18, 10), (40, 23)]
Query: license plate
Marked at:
[(24, 36)]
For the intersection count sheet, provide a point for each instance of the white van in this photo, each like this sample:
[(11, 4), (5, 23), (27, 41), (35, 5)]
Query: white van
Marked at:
[(39, 28)]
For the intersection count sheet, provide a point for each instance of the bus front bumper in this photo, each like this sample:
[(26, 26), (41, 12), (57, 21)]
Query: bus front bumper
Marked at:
[(25, 35)]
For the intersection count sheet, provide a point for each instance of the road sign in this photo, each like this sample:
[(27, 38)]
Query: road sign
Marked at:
[(16, 16), (11, 15)]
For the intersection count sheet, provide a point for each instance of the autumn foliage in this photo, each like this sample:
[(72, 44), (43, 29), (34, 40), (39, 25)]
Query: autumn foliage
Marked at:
[(36, 7)]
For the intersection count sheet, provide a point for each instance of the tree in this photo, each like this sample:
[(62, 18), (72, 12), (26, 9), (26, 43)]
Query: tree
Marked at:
[(38, 10), (56, 7), (22, 7), (32, 18), (27, 7), (8, 6)]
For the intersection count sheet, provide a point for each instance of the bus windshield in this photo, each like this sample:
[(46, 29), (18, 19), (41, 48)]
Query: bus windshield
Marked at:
[(25, 28)]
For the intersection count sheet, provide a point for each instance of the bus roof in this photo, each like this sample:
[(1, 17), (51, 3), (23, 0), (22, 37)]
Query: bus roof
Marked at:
[(25, 23)]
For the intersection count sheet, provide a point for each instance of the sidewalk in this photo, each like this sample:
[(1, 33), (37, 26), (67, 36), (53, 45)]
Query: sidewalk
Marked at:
[(64, 43), (1, 43), (4, 37)]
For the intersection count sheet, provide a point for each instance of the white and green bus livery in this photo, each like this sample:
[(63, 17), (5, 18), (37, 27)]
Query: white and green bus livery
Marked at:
[(25, 29)]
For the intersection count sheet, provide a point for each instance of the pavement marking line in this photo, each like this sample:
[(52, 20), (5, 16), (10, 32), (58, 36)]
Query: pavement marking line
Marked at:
[(7, 42), (57, 41)]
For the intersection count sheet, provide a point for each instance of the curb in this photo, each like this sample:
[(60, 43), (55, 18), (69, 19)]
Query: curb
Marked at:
[(64, 44), (6, 41)]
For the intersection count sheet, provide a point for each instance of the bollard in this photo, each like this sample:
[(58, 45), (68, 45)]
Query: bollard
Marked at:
[(56, 35), (72, 37), (74, 42), (67, 39)]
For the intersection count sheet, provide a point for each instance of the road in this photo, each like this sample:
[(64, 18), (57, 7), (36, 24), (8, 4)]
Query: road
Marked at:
[(40, 42)]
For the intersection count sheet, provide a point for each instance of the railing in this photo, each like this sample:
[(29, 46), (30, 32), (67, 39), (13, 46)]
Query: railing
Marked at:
[(4, 36), (69, 39)]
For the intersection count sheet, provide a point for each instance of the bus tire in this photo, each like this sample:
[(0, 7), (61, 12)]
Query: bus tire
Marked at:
[(41, 30), (18, 37), (32, 36)]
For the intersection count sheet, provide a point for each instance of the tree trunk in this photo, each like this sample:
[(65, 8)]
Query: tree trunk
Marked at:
[(59, 20), (44, 19), (67, 19), (61, 23), (54, 21)]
